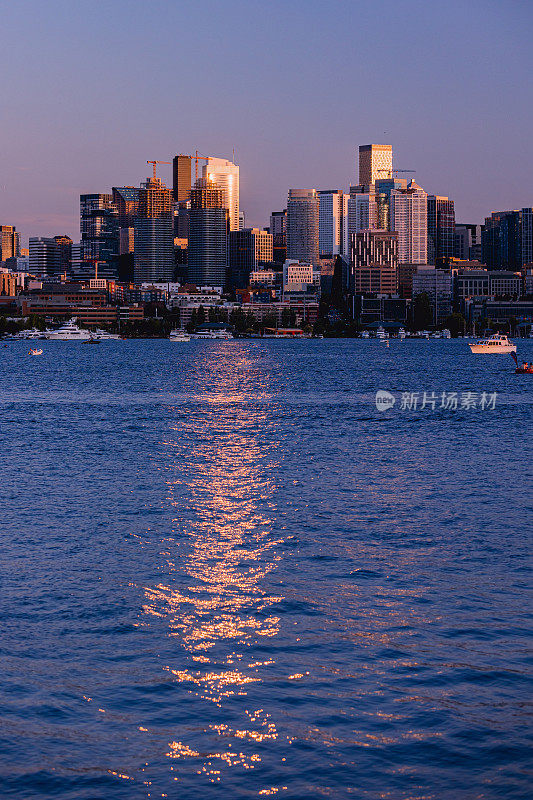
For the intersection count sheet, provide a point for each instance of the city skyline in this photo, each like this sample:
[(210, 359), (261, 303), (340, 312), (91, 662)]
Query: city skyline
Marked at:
[(289, 128)]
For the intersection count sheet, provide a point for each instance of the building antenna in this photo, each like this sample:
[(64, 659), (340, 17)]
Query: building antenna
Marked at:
[(233, 162)]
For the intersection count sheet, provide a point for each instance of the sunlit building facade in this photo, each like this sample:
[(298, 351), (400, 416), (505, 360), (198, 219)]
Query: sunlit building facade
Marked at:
[(333, 223), (408, 217), (375, 161), (225, 174), (153, 258)]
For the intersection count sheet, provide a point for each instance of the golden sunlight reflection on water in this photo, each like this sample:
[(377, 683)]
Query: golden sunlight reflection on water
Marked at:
[(224, 476)]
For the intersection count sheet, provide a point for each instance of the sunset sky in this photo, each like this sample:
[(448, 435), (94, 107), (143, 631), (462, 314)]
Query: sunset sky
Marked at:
[(91, 90)]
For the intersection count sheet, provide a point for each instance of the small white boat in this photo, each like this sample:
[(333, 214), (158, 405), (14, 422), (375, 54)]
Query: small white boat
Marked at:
[(498, 344), (381, 334), (101, 336), (179, 335), (69, 332), (446, 334), (212, 334), (365, 335), (401, 333), (38, 352)]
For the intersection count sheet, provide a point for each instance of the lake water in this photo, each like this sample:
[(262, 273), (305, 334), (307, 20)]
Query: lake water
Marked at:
[(226, 574)]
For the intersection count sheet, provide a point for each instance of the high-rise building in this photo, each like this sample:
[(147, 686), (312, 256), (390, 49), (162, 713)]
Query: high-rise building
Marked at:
[(99, 236), (467, 242), (441, 228), (374, 262), (501, 240), (9, 242), (207, 253), (43, 255), (225, 174), (64, 254), (527, 236), (408, 216), (247, 248), (181, 174), (375, 161), (333, 223), (153, 258), (278, 229), (362, 210), (302, 225)]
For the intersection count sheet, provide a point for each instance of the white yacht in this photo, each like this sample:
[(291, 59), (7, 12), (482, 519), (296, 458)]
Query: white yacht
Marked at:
[(102, 335), (178, 335), (381, 334), (446, 334), (498, 343), (401, 333), (69, 332)]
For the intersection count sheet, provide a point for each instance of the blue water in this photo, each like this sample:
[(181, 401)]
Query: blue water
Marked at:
[(226, 574)]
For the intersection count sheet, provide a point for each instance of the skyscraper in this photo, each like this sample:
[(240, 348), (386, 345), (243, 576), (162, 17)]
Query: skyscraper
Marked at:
[(181, 174), (278, 229), (99, 236), (247, 248), (375, 161), (153, 258), (441, 228), (374, 262), (50, 256), (333, 222), (408, 216), (207, 254), (527, 236), (225, 174), (302, 225), (9, 242)]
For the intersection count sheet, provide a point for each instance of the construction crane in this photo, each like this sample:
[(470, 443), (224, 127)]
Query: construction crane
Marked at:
[(197, 157), (154, 163)]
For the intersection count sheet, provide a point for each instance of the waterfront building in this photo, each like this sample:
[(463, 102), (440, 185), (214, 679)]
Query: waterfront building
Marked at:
[(375, 161), (207, 253), (247, 248), (332, 223), (408, 217), (440, 228), (9, 242), (225, 174), (153, 257), (302, 225), (278, 229)]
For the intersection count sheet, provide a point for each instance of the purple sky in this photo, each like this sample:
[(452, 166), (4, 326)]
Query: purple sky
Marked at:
[(91, 90)]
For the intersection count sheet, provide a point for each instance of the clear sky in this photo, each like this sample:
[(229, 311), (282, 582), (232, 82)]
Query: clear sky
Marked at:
[(91, 89)]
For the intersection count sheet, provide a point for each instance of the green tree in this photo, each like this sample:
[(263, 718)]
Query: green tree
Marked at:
[(422, 311), (200, 318), (455, 323)]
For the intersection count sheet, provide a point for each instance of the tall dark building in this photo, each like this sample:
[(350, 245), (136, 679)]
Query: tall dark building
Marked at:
[(153, 258), (278, 229), (207, 254), (440, 228), (63, 254), (126, 201), (181, 173), (501, 240), (247, 249)]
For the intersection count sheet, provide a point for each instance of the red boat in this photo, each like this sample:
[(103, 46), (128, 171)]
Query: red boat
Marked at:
[(525, 369)]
